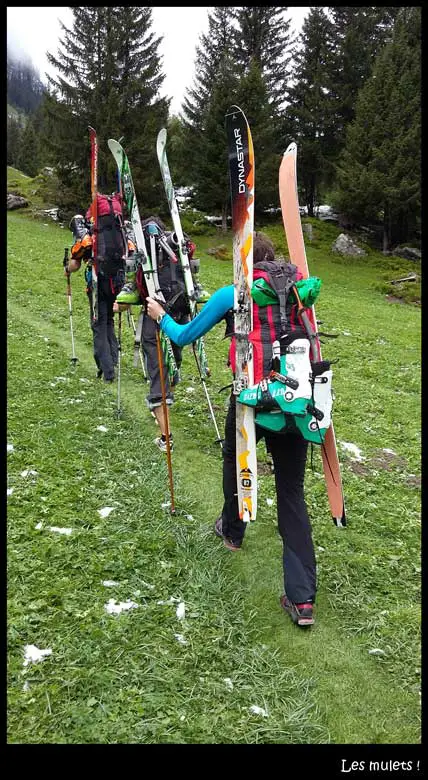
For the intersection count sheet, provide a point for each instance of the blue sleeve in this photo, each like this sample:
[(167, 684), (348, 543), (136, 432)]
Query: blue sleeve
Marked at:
[(213, 311)]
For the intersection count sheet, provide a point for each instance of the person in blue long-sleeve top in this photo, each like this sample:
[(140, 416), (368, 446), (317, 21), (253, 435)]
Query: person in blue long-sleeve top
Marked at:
[(288, 451)]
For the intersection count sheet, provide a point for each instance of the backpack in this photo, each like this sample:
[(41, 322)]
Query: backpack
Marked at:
[(170, 274), (111, 237), (291, 391)]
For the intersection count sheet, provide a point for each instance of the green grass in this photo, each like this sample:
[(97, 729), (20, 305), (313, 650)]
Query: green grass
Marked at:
[(127, 678)]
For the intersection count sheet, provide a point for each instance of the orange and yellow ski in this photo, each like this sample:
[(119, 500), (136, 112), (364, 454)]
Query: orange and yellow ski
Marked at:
[(241, 172)]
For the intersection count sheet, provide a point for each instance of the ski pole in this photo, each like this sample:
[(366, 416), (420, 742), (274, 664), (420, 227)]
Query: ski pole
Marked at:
[(119, 355), (131, 323), (73, 359), (165, 414), (204, 385)]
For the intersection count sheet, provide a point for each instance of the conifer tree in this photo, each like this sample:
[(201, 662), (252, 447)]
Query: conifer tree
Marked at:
[(379, 170), (109, 76), (28, 157), (213, 91), (14, 133), (262, 36), (311, 110), (359, 35)]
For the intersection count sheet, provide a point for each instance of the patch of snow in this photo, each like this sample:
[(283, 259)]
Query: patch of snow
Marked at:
[(10, 491), (109, 583), (33, 654), (167, 503), (181, 610), (115, 608), (190, 389), (26, 686), (65, 531), (376, 651), (38, 526), (258, 710), (321, 549), (147, 585), (180, 638), (346, 333), (353, 449), (189, 517), (105, 511), (269, 501), (102, 428), (27, 472), (10, 447), (390, 452), (229, 683)]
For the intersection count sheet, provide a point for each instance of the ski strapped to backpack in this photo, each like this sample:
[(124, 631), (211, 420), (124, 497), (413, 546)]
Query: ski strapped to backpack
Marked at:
[(94, 187), (241, 173), (142, 257), (181, 245), (296, 247)]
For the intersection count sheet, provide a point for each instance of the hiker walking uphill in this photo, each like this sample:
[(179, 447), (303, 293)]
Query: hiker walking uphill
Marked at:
[(112, 250), (161, 246), (290, 368)]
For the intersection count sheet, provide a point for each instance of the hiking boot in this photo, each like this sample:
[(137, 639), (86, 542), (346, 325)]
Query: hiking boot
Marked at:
[(201, 295), (129, 293), (99, 373), (229, 543), (301, 614), (160, 442)]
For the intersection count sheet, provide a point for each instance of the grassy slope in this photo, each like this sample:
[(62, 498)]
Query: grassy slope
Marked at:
[(127, 678)]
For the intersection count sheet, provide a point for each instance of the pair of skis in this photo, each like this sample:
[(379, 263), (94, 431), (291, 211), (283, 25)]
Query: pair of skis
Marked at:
[(149, 270), (241, 172)]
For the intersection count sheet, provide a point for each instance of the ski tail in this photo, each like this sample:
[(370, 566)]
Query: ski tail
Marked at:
[(241, 174), (289, 199)]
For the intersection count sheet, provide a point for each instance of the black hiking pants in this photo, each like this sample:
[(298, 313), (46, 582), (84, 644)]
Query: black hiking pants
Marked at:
[(149, 344), (105, 341), (289, 453)]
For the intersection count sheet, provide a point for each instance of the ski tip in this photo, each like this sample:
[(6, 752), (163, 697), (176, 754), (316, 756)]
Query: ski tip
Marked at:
[(291, 148), (111, 143), (162, 136), (234, 110), (91, 129)]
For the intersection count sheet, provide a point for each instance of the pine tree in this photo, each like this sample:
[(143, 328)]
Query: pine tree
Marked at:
[(109, 76), (204, 107), (311, 110), (359, 35), (379, 170), (28, 157), (14, 135), (262, 36)]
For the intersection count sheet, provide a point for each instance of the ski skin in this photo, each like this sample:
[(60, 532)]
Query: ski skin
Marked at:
[(296, 247), (241, 173), (150, 273)]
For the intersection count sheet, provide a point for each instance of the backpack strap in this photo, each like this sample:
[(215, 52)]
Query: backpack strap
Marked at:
[(282, 277)]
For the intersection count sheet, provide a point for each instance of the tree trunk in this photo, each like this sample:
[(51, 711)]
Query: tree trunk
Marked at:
[(386, 230), (224, 216)]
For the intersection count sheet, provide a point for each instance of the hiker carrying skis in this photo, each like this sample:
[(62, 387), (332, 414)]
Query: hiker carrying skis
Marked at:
[(171, 282), (288, 448), (113, 247)]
